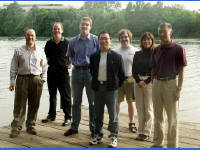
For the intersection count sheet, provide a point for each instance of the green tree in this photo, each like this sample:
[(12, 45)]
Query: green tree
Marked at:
[(14, 17)]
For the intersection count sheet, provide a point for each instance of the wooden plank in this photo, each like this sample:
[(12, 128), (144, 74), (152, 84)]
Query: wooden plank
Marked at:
[(51, 135), (5, 144)]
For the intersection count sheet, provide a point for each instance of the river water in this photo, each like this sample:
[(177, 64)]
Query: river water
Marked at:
[(190, 94)]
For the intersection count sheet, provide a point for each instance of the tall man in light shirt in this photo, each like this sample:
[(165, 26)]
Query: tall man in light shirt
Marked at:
[(28, 68), (127, 51), (80, 48)]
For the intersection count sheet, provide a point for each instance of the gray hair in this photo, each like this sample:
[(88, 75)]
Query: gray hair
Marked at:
[(165, 24), (30, 30)]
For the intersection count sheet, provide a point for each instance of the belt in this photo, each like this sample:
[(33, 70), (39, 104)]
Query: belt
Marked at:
[(145, 74), (27, 75), (102, 82), (165, 78), (82, 67), (128, 77)]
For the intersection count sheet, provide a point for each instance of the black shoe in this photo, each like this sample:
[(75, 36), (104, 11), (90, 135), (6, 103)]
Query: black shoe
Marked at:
[(92, 135), (49, 118), (70, 132), (66, 122), (144, 137), (139, 137), (157, 146)]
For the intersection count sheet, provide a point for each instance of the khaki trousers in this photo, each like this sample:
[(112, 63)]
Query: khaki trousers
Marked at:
[(163, 92), (144, 107), (27, 87)]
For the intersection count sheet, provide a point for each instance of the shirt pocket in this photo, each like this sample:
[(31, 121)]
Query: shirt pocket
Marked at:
[(21, 57), (90, 49), (36, 59)]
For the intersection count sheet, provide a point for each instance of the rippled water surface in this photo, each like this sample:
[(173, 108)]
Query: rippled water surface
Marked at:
[(190, 94)]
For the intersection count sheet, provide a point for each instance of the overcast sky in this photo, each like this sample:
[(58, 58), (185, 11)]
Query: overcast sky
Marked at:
[(191, 5)]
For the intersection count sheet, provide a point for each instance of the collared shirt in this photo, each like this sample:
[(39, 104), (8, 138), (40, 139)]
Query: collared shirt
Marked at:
[(102, 74), (127, 56), (80, 49), (167, 60), (56, 53), (26, 62)]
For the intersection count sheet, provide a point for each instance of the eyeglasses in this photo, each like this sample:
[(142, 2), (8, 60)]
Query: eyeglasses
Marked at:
[(85, 24), (104, 39), (126, 37)]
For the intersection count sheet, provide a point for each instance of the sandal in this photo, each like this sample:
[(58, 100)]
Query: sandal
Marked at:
[(132, 127)]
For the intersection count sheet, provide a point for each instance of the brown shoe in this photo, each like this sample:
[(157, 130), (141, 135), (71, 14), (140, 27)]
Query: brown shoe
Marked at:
[(70, 132), (31, 130), (14, 133)]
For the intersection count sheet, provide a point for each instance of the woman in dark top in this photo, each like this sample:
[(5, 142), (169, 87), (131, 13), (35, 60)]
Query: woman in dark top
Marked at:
[(143, 87)]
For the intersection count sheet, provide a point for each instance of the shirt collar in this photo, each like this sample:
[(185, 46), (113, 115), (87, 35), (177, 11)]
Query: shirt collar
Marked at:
[(88, 37), (62, 39), (26, 48), (168, 46)]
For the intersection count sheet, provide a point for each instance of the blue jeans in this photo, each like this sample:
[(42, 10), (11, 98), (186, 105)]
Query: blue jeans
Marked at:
[(81, 79), (110, 99)]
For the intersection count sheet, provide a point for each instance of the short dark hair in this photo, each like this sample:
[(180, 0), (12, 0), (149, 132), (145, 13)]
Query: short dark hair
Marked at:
[(104, 32), (165, 24)]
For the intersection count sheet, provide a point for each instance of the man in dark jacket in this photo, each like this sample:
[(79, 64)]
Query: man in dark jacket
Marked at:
[(106, 67)]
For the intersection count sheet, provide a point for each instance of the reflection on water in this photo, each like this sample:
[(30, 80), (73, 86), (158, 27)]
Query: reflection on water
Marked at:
[(189, 102)]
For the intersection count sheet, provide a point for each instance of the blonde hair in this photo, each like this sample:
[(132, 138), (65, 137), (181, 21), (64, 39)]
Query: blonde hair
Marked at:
[(87, 19), (123, 31)]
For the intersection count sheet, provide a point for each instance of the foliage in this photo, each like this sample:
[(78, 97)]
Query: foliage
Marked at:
[(108, 16)]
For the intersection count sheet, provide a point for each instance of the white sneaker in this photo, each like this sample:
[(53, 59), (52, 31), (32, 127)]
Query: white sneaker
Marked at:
[(96, 140), (113, 142)]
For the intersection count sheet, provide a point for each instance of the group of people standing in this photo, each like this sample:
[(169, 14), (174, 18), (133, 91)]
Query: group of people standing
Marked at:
[(151, 76)]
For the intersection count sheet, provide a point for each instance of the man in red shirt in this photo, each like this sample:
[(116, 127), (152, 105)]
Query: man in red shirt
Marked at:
[(168, 62)]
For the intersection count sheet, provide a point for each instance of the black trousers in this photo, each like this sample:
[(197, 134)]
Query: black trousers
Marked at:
[(58, 79)]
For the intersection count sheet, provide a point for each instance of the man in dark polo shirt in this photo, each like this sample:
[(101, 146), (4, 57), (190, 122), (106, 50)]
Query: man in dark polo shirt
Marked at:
[(168, 62), (58, 75)]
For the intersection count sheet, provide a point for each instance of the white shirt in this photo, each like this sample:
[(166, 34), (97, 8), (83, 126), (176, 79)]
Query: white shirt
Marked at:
[(127, 56), (26, 62), (102, 75)]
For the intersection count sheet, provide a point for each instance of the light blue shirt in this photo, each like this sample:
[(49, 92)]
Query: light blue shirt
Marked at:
[(80, 49)]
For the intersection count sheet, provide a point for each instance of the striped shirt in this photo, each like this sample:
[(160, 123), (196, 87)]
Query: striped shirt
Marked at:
[(25, 62)]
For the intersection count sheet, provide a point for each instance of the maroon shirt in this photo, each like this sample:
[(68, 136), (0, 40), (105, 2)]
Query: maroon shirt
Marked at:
[(166, 60)]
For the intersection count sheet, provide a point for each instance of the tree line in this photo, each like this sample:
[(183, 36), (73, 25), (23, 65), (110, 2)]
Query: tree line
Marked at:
[(108, 16)]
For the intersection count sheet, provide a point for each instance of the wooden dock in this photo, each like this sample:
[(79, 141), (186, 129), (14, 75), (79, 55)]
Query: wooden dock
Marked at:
[(50, 135)]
